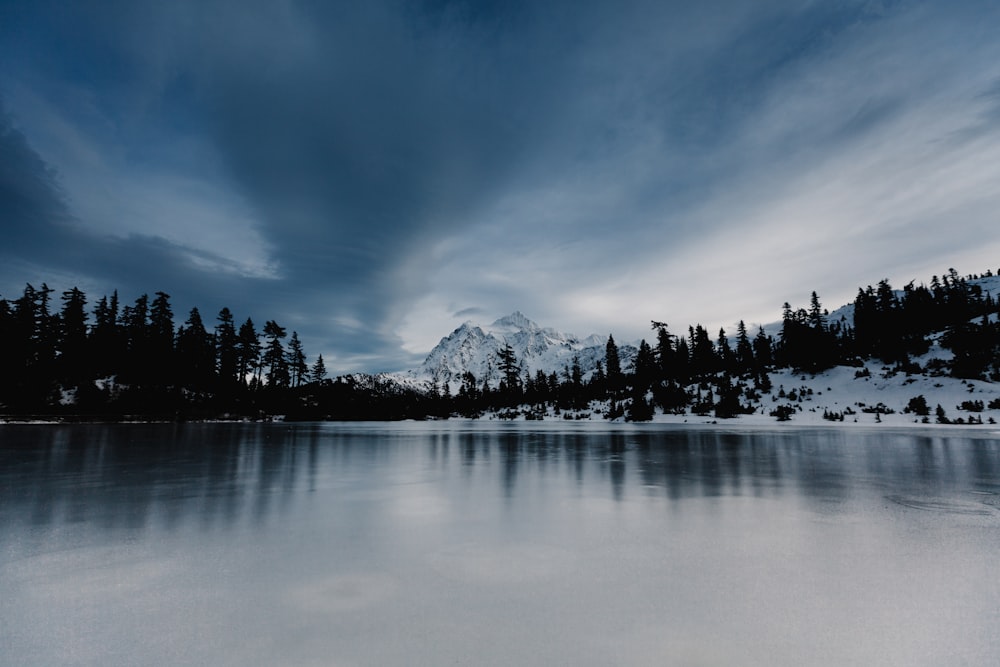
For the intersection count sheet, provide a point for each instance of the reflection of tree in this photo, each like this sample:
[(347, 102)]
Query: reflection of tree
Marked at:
[(124, 477), (616, 465)]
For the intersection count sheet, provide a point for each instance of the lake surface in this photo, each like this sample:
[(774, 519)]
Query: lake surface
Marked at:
[(497, 544)]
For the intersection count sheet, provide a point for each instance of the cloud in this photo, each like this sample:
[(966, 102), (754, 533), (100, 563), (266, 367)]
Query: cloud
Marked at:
[(364, 172)]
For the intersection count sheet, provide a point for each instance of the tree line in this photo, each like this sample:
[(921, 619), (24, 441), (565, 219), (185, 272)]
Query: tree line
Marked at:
[(118, 360), (132, 359), (722, 377)]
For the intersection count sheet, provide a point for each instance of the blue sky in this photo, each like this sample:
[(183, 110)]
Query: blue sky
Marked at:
[(372, 174)]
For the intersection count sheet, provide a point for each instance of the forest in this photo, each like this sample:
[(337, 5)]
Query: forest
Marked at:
[(109, 361)]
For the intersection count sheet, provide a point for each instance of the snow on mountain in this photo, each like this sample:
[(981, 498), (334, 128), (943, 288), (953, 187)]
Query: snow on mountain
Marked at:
[(475, 348)]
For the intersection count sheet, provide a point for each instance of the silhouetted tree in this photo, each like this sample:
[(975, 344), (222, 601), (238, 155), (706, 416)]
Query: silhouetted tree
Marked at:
[(613, 365), (318, 370), (248, 350), (297, 367), (274, 356), (195, 357), (226, 356), (74, 364)]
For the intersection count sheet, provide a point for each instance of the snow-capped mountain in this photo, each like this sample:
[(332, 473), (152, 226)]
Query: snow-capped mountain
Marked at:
[(475, 348)]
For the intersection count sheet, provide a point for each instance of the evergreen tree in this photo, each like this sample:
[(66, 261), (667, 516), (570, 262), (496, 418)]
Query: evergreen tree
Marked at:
[(248, 350), (510, 369), (682, 361), (160, 339), (613, 365), (226, 355), (727, 358), (639, 408), (195, 357), (73, 361), (728, 405), (744, 350), (106, 341), (816, 318), (645, 367), (318, 370), (762, 350), (297, 367), (665, 356), (704, 361), (274, 355)]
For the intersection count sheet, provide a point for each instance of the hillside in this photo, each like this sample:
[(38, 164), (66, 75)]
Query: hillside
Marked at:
[(916, 357)]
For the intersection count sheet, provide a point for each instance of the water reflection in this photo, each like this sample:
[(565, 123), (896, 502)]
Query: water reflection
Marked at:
[(123, 476), (250, 544)]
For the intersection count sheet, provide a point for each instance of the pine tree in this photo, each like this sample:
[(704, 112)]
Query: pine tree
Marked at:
[(297, 367), (227, 359), (159, 354), (613, 365), (816, 317), (318, 370), (106, 341), (135, 369), (704, 360), (195, 354), (665, 356), (274, 355), (248, 354), (762, 351), (73, 361), (727, 358), (510, 368), (645, 367), (744, 350)]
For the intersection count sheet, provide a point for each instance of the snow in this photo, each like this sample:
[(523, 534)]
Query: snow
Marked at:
[(842, 390), (475, 348), (838, 391)]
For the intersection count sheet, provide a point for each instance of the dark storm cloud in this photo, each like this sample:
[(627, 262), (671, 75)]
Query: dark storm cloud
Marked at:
[(42, 241), (30, 201)]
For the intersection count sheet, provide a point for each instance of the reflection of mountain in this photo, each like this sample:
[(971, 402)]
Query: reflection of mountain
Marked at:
[(123, 477)]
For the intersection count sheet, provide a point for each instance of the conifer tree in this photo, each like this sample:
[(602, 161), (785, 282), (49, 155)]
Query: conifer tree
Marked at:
[(227, 359), (665, 357), (297, 367), (195, 354), (158, 356), (318, 370), (613, 365), (72, 345), (645, 367), (703, 357), (727, 358), (744, 350), (248, 354), (762, 350), (510, 369), (274, 355)]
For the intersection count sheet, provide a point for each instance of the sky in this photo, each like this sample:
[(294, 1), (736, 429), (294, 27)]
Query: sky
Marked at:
[(372, 174)]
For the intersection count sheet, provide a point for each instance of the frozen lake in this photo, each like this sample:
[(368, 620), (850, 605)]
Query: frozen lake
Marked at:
[(497, 544)]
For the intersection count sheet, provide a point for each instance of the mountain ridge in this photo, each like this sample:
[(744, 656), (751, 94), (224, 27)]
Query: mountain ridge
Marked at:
[(474, 348)]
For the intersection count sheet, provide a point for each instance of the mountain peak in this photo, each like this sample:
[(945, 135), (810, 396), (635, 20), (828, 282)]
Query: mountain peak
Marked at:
[(516, 320)]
